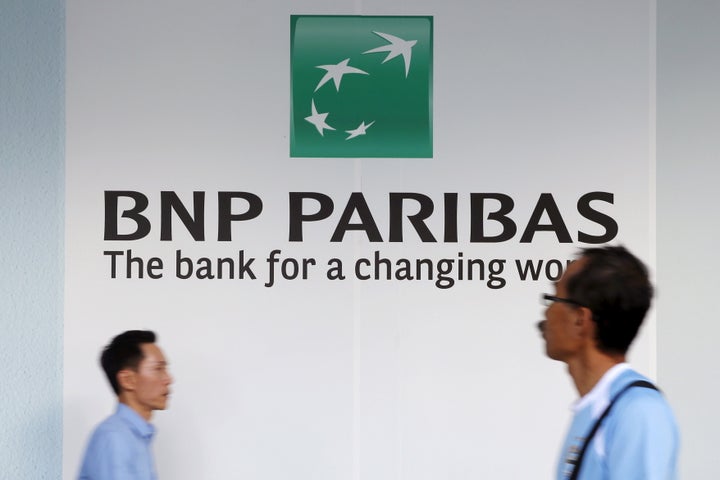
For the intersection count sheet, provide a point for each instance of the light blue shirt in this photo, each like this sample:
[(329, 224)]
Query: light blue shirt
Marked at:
[(119, 449), (637, 440)]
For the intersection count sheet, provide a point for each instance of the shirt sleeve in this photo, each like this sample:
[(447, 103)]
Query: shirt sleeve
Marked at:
[(642, 440)]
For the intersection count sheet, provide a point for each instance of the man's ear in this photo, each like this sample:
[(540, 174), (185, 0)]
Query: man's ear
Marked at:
[(126, 379), (585, 321)]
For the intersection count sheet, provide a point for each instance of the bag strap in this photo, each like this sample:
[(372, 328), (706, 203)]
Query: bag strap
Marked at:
[(589, 437)]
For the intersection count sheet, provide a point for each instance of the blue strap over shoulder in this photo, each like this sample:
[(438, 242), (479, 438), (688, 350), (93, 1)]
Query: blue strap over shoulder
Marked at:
[(591, 434)]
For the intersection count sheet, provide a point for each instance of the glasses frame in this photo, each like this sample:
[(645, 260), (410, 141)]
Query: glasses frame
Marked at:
[(548, 299)]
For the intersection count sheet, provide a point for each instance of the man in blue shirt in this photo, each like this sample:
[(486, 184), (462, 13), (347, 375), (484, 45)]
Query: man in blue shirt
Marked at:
[(119, 448), (622, 428)]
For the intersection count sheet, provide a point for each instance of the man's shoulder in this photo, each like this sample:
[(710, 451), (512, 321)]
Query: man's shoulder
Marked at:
[(112, 427), (112, 448), (623, 385), (642, 402), (641, 406), (641, 436)]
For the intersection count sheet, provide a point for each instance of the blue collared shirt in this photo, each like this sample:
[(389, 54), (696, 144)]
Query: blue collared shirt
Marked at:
[(638, 440), (119, 449)]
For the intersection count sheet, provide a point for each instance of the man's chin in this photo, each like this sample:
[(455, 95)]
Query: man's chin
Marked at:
[(550, 354), (554, 355)]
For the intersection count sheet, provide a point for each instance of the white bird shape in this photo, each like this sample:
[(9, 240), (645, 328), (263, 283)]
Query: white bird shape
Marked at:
[(318, 119), (397, 46), (359, 130), (335, 72)]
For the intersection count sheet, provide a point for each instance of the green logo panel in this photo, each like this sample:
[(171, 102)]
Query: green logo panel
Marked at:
[(361, 86)]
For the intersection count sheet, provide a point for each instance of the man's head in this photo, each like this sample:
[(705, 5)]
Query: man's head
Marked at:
[(137, 370), (608, 286)]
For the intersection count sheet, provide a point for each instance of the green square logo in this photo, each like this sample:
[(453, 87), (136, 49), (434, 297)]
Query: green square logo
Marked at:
[(361, 86)]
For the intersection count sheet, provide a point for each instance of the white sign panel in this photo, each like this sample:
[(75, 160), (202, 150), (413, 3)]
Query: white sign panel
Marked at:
[(339, 221)]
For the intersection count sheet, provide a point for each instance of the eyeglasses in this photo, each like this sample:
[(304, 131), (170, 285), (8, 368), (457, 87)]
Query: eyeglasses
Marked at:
[(548, 300)]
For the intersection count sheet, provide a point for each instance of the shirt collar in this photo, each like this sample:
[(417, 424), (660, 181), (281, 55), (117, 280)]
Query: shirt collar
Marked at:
[(601, 390), (137, 423)]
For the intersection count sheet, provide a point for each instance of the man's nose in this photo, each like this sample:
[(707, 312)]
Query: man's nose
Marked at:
[(541, 326)]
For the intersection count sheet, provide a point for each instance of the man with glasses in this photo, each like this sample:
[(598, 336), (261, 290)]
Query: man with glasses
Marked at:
[(622, 428)]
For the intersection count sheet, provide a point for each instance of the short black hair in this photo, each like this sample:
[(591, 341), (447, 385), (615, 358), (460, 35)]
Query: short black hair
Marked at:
[(124, 352), (614, 285)]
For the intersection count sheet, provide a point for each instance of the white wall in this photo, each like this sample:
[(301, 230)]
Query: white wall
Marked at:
[(688, 225), (370, 379)]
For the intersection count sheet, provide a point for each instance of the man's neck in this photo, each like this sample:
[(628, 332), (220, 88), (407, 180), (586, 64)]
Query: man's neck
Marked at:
[(587, 371), (137, 407)]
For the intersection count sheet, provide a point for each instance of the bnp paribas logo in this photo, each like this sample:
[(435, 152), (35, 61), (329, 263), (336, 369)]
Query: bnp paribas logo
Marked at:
[(361, 86)]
